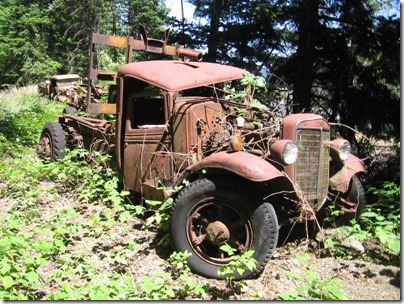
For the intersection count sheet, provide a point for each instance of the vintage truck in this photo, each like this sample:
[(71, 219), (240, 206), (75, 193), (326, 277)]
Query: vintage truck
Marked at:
[(244, 169)]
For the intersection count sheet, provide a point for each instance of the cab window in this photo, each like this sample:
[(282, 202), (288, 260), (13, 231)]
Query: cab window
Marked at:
[(147, 111)]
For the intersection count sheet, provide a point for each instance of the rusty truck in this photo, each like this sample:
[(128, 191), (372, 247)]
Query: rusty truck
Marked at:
[(242, 170), (64, 88)]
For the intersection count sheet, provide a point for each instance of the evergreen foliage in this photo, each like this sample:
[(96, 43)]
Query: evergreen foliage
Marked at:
[(41, 38), (339, 58)]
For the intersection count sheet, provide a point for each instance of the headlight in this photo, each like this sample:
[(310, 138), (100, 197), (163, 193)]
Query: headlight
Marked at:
[(341, 148), (344, 150), (289, 153), (284, 151)]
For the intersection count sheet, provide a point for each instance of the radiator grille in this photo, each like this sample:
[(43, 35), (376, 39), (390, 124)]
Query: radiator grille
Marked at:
[(312, 166)]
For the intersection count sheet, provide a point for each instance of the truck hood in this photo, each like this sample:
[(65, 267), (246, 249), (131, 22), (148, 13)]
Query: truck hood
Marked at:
[(177, 76)]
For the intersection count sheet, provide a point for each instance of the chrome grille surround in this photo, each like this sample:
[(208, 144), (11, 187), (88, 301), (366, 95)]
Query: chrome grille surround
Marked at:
[(312, 165)]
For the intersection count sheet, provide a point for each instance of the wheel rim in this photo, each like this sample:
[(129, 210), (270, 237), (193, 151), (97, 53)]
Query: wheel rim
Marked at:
[(45, 147), (212, 223)]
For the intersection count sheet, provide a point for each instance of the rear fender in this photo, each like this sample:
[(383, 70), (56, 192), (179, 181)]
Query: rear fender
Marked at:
[(340, 180)]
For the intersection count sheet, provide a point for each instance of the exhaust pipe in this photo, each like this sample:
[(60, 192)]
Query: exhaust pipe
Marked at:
[(191, 54)]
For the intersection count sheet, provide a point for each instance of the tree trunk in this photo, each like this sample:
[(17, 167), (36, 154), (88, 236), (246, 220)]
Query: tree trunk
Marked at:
[(308, 24), (213, 38)]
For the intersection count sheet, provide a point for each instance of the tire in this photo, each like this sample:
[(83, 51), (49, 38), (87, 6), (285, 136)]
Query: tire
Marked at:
[(206, 214), (52, 142), (355, 197), (70, 110)]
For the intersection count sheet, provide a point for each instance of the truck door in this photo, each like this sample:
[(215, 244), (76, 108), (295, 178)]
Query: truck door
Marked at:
[(146, 155)]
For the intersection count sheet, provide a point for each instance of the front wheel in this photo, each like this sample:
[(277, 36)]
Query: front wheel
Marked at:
[(350, 204), (52, 142), (207, 214)]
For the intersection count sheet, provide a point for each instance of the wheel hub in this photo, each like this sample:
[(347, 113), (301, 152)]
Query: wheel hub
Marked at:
[(217, 233)]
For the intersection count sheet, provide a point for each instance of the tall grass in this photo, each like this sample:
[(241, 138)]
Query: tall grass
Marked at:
[(23, 113)]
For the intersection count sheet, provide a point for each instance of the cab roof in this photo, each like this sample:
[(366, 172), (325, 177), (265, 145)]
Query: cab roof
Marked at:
[(66, 76), (172, 75)]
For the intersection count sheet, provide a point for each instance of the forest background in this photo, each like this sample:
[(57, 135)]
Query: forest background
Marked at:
[(338, 58)]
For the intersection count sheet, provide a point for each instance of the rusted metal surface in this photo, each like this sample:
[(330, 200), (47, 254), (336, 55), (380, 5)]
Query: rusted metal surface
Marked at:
[(105, 108), (60, 87), (95, 102), (311, 171), (229, 226), (176, 76), (142, 160), (191, 54), (151, 44), (113, 41), (341, 180), (243, 164), (194, 121), (355, 163)]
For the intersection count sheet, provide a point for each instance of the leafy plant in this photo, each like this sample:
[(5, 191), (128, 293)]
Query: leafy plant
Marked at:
[(91, 174), (161, 213), (158, 287), (22, 116), (382, 219), (160, 216), (251, 83), (256, 82), (311, 286), (180, 270), (314, 288), (238, 263)]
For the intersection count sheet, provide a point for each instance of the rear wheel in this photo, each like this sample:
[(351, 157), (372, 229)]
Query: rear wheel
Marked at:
[(52, 142), (207, 214)]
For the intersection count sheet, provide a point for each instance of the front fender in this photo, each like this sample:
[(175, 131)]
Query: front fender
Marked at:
[(340, 181), (243, 164)]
